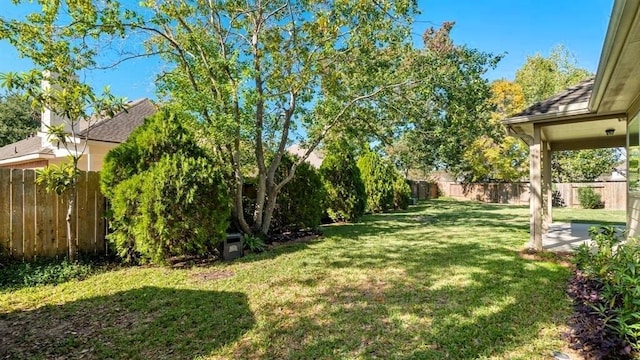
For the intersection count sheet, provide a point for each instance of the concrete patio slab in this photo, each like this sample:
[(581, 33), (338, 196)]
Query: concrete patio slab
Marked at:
[(566, 237)]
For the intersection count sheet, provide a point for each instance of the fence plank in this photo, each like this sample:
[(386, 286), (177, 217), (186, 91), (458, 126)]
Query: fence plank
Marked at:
[(29, 213), (45, 215), (82, 231), (93, 187), (61, 225), (101, 226), (5, 211), (33, 222), (17, 210)]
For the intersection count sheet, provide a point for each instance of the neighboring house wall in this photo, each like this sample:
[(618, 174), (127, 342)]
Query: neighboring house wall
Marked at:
[(91, 160), (95, 157), (28, 165), (104, 135)]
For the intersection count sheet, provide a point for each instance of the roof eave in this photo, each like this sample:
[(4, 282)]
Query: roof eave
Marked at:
[(548, 117), (26, 158), (620, 23)]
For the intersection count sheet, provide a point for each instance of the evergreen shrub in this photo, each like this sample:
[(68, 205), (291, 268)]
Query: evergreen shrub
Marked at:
[(301, 202), (385, 187), (401, 193), (167, 196), (378, 178), (589, 198), (346, 196)]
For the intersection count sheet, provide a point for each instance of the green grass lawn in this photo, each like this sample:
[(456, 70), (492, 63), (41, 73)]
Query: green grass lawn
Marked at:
[(590, 216), (442, 280)]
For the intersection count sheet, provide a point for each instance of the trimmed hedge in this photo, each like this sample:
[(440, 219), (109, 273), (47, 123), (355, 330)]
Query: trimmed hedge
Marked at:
[(301, 202), (346, 196), (385, 187), (167, 197), (589, 198)]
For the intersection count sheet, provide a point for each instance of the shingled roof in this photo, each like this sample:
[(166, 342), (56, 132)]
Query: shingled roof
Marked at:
[(576, 95), (118, 128), (315, 158), (113, 130), (29, 146)]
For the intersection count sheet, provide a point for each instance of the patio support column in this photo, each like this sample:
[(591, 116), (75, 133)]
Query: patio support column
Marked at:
[(547, 186), (535, 183)]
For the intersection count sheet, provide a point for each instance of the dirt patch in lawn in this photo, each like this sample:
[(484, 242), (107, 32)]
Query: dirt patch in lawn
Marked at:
[(143, 323), (213, 275), (295, 239), (562, 258)]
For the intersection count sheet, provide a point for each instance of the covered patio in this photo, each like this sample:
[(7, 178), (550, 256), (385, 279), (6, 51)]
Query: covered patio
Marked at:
[(566, 237), (600, 112), (562, 122)]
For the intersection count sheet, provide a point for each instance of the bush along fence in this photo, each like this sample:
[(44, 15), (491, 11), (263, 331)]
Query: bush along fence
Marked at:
[(32, 221), (612, 194)]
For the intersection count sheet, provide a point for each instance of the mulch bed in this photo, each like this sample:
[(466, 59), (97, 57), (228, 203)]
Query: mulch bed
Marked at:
[(588, 332), (293, 237)]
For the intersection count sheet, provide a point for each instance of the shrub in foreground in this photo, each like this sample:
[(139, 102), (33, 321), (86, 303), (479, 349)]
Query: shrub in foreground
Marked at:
[(167, 197), (606, 289)]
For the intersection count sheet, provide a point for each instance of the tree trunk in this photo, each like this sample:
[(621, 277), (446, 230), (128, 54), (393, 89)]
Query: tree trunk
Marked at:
[(268, 212), (71, 239), (238, 210)]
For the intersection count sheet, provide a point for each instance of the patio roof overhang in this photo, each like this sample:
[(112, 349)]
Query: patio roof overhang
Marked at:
[(576, 131), (617, 82), (578, 117)]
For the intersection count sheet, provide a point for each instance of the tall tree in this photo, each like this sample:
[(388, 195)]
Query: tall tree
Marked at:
[(581, 166), (495, 156), (256, 71), (542, 77), (449, 111), (17, 119), (61, 39)]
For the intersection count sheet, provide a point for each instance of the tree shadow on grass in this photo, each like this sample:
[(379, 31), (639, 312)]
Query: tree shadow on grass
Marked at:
[(437, 214), (432, 215), (428, 311), (419, 291), (597, 222), (144, 323)]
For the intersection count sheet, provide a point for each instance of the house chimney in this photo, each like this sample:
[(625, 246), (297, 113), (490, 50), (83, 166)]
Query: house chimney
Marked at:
[(49, 118)]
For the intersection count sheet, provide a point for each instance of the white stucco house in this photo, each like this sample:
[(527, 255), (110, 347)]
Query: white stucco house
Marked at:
[(100, 135)]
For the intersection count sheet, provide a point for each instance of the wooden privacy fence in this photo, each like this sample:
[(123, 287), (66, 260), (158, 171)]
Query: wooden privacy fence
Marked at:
[(32, 221), (423, 190), (507, 193), (614, 193)]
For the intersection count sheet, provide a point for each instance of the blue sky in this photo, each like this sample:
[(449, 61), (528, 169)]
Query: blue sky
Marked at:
[(518, 28)]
